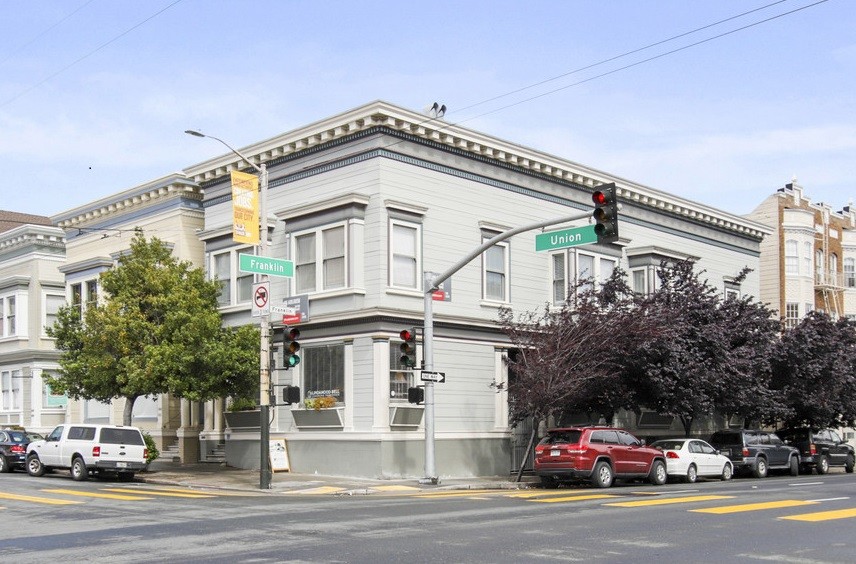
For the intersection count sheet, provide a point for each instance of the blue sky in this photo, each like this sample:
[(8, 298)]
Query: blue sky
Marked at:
[(96, 94)]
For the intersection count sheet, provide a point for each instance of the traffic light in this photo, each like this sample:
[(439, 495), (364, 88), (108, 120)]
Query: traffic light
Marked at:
[(605, 213), (408, 347), (290, 395), (292, 347), (416, 395)]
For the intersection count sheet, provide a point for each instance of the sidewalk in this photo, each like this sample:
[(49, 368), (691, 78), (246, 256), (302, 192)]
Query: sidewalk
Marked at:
[(210, 475)]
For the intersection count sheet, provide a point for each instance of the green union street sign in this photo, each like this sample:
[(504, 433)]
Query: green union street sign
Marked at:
[(565, 238), (265, 265)]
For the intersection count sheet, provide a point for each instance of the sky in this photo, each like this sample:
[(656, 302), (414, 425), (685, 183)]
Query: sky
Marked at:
[(721, 102)]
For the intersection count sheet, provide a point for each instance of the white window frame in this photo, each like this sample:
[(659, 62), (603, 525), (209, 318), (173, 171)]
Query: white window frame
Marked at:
[(808, 251), (400, 377), (559, 293), (393, 253), (849, 266), (49, 317), (10, 390), (792, 265), (235, 276), (792, 314), (9, 315), (321, 283), (506, 282), (597, 275)]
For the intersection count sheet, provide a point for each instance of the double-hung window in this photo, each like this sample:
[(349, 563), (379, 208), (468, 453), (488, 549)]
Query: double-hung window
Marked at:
[(53, 303), (236, 287), (10, 390), (8, 315), (404, 254), (568, 268), (495, 268), (321, 259), (791, 257), (849, 273)]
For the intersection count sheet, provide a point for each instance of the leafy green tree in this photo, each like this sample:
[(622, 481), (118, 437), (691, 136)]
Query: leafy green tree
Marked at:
[(813, 367), (157, 331)]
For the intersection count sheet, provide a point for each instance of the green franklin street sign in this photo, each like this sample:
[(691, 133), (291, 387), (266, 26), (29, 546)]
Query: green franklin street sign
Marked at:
[(265, 265), (565, 238)]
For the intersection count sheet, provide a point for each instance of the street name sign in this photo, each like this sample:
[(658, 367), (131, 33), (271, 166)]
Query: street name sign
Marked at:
[(564, 238), (265, 265), (438, 377)]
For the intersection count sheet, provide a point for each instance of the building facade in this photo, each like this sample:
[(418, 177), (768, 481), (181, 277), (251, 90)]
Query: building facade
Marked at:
[(97, 233), (809, 261), (366, 201), (31, 292)]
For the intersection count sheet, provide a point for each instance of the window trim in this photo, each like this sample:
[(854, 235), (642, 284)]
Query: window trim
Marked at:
[(506, 284), (235, 274), (319, 258), (393, 222)]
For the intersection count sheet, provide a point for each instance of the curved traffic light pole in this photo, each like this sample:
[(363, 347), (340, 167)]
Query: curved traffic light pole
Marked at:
[(432, 282)]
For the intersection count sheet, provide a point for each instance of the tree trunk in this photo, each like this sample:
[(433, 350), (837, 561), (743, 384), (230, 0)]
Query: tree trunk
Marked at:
[(129, 410), (687, 423), (528, 450)]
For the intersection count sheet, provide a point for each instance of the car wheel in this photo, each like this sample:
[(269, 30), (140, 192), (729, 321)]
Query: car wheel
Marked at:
[(658, 474), (823, 464), (4, 465), (849, 464), (78, 470), (35, 466), (760, 470), (547, 482), (692, 474), (602, 475), (794, 466), (727, 472)]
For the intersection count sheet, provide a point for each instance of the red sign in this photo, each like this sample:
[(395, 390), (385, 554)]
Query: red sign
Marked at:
[(438, 295), (292, 319)]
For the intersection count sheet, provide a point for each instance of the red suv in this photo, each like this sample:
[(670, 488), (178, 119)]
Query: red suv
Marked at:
[(599, 454)]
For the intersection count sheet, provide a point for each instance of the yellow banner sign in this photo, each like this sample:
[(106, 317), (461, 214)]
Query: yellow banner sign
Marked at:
[(245, 208)]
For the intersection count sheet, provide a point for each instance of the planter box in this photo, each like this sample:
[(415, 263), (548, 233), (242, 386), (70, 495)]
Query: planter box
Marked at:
[(243, 419), (330, 418)]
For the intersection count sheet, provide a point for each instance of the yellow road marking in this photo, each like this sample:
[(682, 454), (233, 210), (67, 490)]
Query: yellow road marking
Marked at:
[(668, 500), (99, 495), (455, 493), (551, 493), (396, 488), (574, 498), (320, 490), (160, 493), (202, 491), (45, 500), (823, 515), (754, 506)]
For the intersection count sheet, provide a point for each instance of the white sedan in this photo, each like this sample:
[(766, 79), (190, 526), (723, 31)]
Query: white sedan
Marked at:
[(690, 459)]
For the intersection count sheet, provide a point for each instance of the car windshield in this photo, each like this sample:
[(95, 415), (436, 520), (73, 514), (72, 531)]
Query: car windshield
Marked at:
[(562, 437), (668, 445)]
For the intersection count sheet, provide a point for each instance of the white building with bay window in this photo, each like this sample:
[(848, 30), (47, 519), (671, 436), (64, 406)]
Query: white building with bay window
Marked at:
[(364, 202)]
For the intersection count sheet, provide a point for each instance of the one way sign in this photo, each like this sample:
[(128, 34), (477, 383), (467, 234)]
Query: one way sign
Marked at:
[(438, 377)]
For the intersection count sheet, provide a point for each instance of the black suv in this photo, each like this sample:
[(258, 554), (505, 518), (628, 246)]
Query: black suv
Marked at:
[(819, 449), (756, 451)]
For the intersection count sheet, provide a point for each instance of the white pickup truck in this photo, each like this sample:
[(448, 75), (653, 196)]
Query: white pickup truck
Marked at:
[(89, 449)]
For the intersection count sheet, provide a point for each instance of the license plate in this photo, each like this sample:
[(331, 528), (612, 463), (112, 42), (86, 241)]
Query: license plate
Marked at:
[(555, 452), (121, 465)]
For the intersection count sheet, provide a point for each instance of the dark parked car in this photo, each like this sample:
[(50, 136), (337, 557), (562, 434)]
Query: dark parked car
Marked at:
[(819, 448), (756, 452), (13, 449), (598, 454)]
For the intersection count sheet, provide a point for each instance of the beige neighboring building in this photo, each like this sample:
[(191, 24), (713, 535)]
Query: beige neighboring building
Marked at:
[(31, 292), (97, 233), (809, 261)]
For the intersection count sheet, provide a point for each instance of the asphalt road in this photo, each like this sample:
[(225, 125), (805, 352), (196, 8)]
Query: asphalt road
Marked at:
[(807, 519)]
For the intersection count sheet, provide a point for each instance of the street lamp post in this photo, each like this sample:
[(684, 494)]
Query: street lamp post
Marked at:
[(264, 352)]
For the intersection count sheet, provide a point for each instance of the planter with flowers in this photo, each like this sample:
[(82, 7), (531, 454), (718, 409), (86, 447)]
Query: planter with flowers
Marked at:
[(319, 413)]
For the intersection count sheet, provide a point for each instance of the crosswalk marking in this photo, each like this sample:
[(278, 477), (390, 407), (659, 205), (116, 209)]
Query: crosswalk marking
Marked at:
[(725, 509), (32, 499), (395, 488), (98, 495), (668, 500), (209, 492), (823, 515), (187, 494)]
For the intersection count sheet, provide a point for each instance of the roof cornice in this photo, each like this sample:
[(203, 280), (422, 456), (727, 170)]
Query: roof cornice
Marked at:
[(382, 114), (172, 186)]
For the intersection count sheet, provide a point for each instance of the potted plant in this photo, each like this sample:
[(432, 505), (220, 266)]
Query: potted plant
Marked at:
[(319, 412)]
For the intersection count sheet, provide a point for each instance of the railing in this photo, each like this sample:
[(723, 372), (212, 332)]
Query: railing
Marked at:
[(835, 279)]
